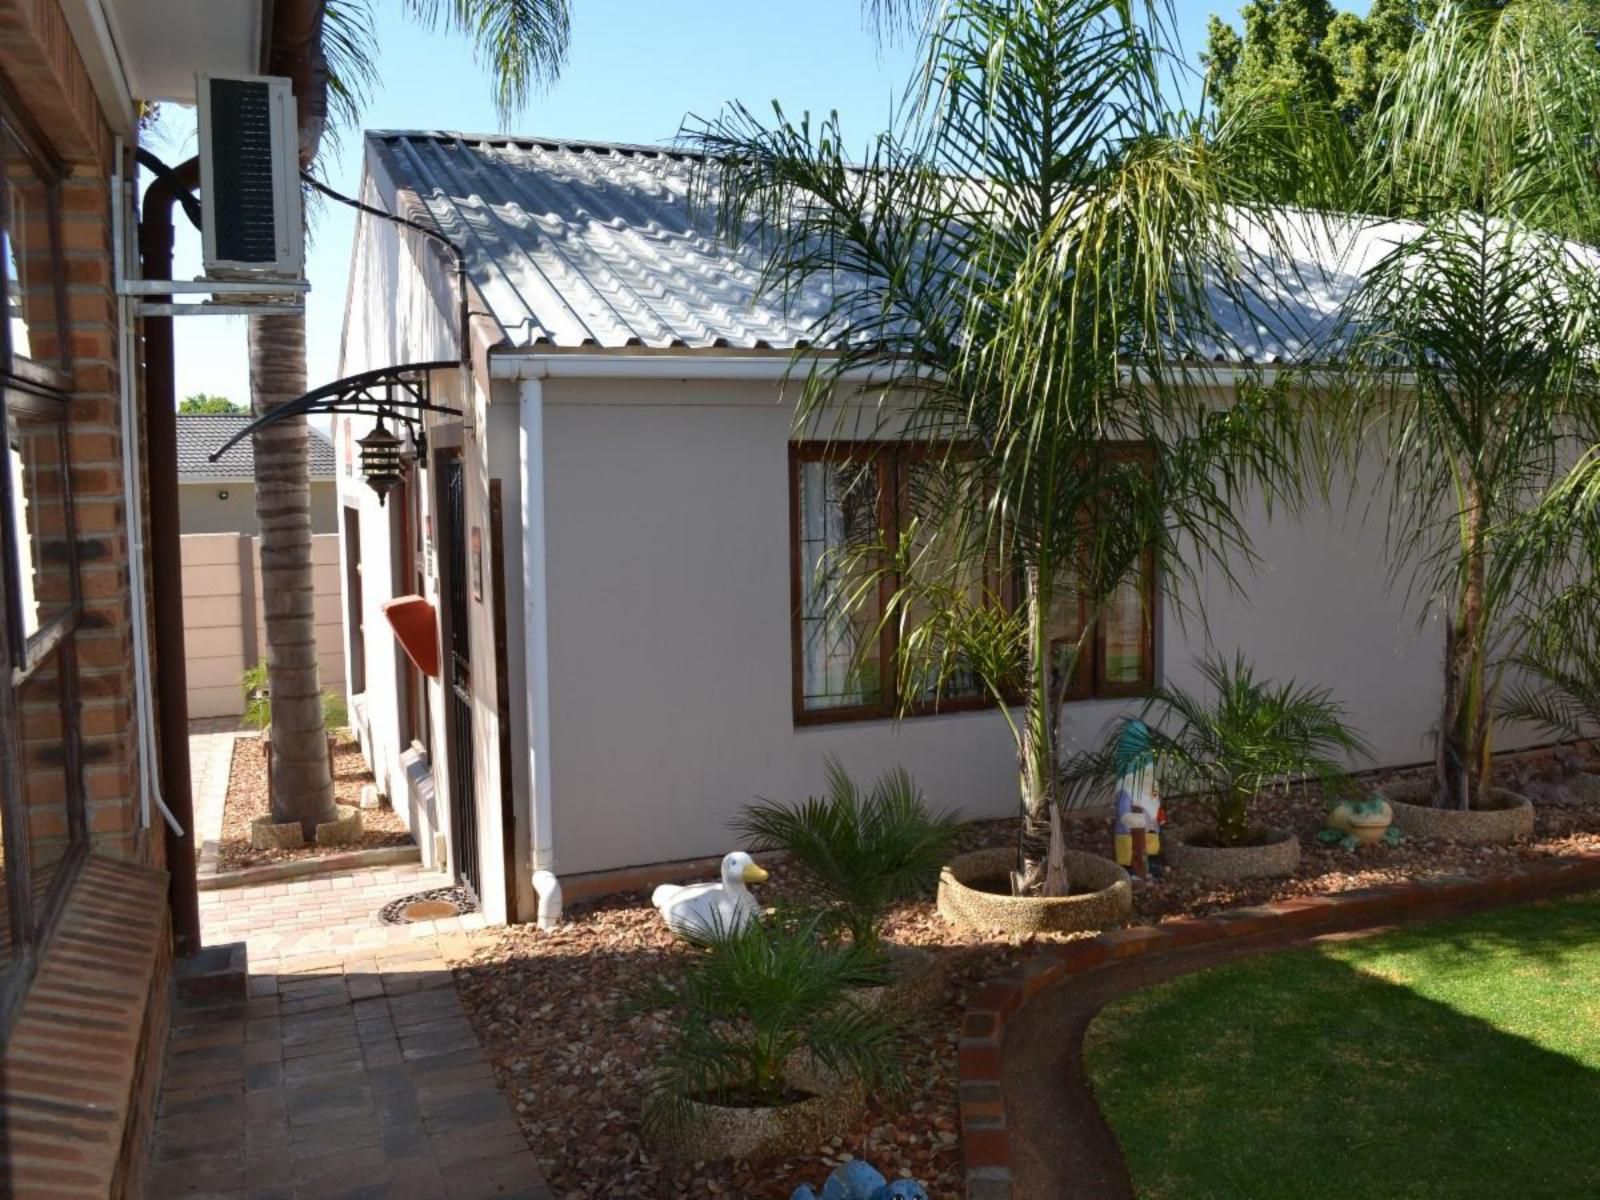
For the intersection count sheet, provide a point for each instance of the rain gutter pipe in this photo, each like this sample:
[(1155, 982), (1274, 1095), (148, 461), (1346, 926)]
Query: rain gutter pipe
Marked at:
[(166, 557)]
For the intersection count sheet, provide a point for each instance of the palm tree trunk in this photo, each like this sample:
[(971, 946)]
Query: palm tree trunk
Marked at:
[(1461, 765), (1037, 869), (302, 788)]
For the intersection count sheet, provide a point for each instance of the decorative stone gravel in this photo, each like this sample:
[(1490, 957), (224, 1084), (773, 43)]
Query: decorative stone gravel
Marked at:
[(961, 902), (247, 802), (574, 1062), (1415, 817), (1278, 856)]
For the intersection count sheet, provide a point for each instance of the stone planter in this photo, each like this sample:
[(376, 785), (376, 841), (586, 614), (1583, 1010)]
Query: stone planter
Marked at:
[(1278, 855), (830, 1108), (916, 978), (1585, 785), (965, 898), (344, 830), (1415, 817)]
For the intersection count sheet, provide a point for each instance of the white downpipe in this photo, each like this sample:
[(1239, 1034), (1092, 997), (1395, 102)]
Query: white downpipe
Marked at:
[(143, 699), (537, 652)]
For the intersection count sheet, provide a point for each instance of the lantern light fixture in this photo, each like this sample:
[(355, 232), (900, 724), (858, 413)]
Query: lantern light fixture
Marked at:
[(380, 460)]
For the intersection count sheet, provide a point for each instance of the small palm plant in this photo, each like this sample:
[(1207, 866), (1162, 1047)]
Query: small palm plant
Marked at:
[(751, 1004), (1560, 659), (858, 851), (1249, 735)]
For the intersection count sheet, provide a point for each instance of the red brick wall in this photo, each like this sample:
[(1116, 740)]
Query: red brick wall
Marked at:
[(45, 73)]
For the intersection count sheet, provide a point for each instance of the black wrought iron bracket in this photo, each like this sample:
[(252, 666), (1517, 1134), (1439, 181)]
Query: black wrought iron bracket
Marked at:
[(399, 394)]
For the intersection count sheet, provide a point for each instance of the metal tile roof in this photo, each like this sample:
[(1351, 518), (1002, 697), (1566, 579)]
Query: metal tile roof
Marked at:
[(201, 433), (584, 244)]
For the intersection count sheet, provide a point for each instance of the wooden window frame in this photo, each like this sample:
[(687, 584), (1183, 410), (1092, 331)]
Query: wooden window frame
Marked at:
[(20, 368), (1090, 684)]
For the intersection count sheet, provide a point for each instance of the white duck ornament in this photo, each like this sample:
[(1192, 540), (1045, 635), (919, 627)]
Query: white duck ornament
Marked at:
[(707, 911)]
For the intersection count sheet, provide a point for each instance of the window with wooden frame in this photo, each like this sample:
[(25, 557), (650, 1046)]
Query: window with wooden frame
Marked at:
[(43, 828), (845, 496)]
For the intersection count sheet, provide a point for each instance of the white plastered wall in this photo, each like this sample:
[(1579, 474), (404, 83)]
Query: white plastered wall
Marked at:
[(668, 570)]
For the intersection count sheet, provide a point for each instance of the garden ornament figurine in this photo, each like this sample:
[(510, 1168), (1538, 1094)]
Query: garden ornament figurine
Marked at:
[(711, 911), (1139, 812), (855, 1180), (1356, 823)]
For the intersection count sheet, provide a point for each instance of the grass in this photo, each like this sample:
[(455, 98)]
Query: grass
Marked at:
[(1459, 1059)]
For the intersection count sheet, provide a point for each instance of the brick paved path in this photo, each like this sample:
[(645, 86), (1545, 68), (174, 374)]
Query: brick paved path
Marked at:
[(338, 1080), (325, 914), (350, 1073)]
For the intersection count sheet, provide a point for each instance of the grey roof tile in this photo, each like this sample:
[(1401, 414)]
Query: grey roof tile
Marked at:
[(199, 434)]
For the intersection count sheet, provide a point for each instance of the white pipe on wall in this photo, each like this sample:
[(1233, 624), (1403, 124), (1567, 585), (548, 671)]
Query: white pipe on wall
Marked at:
[(537, 652), (143, 700)]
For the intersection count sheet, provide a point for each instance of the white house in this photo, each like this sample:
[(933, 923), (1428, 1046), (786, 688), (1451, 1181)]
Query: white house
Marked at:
[(614, 529)]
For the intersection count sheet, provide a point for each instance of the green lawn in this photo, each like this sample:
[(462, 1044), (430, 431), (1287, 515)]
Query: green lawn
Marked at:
[(1453, 1060)]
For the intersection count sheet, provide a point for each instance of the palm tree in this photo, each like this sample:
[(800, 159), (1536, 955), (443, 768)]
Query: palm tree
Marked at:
[(1473, 342), (1025, 267), (328, 49)]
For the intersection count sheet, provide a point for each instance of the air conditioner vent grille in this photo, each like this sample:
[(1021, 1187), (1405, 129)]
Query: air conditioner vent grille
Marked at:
[(241, 147)]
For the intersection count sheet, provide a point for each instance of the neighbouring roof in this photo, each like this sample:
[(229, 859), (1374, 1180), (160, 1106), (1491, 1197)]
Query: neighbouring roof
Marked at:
[(201, 433), (597, 245)]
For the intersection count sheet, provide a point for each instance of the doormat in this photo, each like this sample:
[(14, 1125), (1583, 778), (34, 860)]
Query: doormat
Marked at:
[(428, 906)]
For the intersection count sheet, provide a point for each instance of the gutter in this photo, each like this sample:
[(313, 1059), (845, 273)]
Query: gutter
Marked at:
[(536, 654), (637, 363)]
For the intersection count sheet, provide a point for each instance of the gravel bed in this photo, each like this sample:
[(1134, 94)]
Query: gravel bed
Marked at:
[(248, 799), (546, 1006)]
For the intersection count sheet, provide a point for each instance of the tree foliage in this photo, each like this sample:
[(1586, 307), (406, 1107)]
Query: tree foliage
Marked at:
[(202, 402), (1026, 267)]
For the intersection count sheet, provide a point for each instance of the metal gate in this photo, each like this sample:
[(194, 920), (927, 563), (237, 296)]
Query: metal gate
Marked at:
[(463, 806)]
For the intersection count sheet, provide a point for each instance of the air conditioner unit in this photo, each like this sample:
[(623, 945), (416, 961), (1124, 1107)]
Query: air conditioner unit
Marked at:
[(251, 223)]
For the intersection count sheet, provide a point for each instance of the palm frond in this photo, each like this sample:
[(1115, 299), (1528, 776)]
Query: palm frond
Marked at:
[(522, 43)]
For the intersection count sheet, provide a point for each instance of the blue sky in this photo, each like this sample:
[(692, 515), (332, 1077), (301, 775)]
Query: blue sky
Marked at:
[(636, 68)]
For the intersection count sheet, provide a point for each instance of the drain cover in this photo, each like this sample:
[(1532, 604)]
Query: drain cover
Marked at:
[(428, 906)]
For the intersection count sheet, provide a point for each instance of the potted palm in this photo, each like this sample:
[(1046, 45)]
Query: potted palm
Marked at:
[(1559, 688), (1471, 347), (770, 1053), (859, 852), (1221, 751)]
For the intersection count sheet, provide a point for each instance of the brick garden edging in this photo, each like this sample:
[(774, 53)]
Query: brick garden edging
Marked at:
[(985, 1141)]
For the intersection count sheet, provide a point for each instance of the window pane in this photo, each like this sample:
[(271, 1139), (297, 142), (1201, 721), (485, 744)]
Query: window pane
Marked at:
[(45, 784), (39, 520), (839, 504), (32, 280), (1123, 631), (941, 511), (1064, 626)]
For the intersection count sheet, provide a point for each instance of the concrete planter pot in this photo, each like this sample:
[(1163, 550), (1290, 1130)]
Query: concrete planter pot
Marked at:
[(1512, 818), (1279, 855), (343, 830), (916, 979), (1585, 785), (708, 1132), (968, 897)]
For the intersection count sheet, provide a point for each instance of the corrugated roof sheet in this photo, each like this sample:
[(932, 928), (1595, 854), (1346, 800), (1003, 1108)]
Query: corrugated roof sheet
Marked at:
[(582, 244), (199, 434)]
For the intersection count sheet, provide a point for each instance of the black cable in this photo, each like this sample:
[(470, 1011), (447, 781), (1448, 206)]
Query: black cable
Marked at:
[(185, 197), (460, 255)]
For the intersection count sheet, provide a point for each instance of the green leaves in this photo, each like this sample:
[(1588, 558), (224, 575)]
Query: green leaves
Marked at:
[(1242, 735), (750, 1008), (859, 851)]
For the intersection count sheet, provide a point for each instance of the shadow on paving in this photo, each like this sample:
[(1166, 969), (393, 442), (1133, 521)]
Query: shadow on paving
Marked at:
[(336, 1084), (1315, 1072)]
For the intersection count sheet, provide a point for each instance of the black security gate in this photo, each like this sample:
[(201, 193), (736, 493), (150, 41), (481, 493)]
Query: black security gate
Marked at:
[(463, 808)]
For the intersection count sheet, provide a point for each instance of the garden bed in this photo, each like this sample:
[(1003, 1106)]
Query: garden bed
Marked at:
[(248, 799), (545, 1005)]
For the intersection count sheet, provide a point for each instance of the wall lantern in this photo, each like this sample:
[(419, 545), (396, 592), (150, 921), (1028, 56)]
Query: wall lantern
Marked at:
[(380, 460)]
